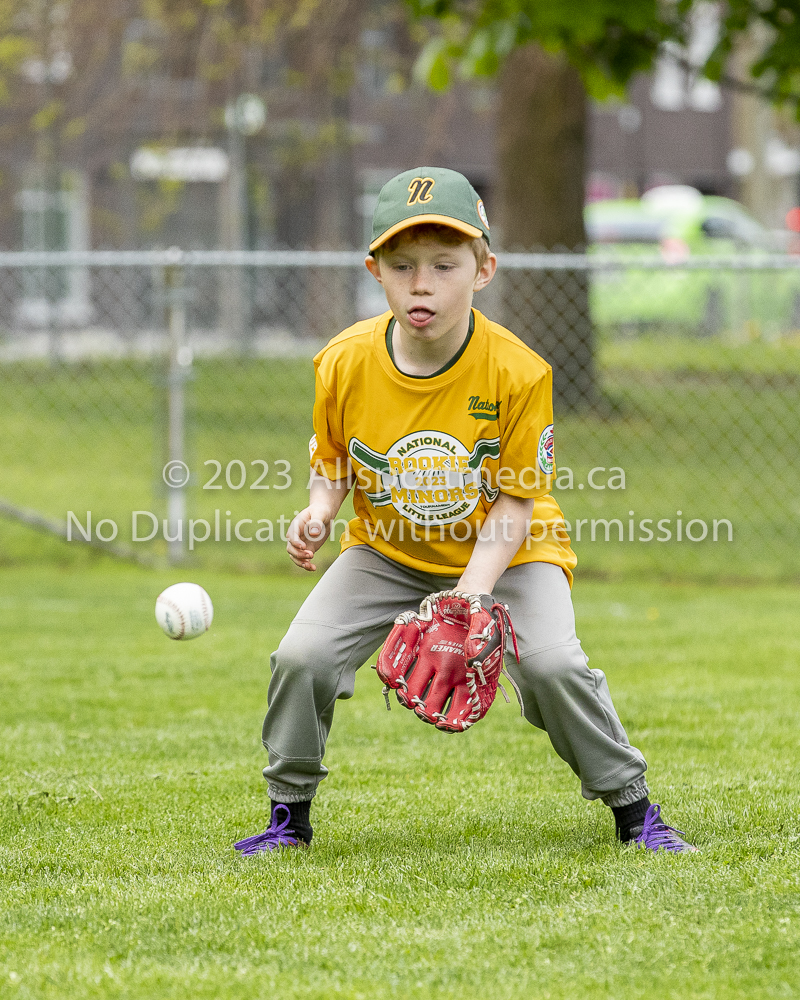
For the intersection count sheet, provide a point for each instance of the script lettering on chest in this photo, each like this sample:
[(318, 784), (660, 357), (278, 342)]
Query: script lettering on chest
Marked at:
[(483, 409)]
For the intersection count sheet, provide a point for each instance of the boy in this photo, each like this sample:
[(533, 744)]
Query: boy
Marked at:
[(446, 421)]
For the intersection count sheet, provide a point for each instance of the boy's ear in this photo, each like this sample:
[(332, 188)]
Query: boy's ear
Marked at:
[(486, 273), (373, 267)]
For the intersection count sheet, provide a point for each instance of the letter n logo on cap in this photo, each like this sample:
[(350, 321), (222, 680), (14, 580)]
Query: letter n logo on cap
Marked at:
[(419, 190)]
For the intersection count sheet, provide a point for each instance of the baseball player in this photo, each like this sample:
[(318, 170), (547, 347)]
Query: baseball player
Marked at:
[(442, 422)]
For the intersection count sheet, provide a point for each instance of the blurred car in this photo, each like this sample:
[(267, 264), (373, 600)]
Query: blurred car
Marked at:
[(673, 224)]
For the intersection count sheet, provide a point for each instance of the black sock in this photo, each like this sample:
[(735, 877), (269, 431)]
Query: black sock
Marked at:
[(300, 821), (629, 819)]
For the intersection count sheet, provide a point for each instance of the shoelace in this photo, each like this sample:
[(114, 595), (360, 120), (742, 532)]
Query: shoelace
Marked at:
[(276, 835), (658, 836)]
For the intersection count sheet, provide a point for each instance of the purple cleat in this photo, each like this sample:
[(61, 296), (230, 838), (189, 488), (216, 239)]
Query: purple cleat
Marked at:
[(657, 836), (276, 835)]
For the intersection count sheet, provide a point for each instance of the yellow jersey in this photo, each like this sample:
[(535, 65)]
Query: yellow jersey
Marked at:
[(429, 455)]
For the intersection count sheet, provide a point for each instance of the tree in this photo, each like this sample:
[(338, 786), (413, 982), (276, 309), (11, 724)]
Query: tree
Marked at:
[(775, 74), (548, 56), (84, 84), (81, 81)]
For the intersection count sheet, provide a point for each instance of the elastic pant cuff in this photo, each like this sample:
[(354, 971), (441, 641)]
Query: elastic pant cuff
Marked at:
[(626, 796), (281, 795)]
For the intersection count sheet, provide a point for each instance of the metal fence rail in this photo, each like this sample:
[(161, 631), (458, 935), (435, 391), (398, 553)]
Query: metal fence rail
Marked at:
[(676, 398)]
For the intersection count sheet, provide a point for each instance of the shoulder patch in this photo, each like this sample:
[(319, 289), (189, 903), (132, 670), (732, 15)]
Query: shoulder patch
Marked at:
[(544, 452)]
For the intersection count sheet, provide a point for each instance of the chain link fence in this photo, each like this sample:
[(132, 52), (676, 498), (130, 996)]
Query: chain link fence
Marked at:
[(143, 389)]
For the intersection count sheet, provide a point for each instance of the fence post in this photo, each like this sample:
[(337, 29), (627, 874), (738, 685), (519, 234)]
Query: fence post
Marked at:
[(180, 363), (233, 200)]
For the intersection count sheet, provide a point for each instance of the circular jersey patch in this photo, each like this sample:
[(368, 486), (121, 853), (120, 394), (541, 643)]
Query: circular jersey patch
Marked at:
[(432, 478), (482, 213), (544, 453), (429, 477)]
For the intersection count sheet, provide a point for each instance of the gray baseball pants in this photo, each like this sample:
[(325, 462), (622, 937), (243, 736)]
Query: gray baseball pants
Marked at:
[(348, 616)]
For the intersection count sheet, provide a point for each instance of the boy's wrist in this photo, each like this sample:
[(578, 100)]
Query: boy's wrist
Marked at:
[(320, 512), (475, 583)]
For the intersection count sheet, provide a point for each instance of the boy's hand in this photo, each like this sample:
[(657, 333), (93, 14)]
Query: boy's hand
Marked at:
[(307, 533)]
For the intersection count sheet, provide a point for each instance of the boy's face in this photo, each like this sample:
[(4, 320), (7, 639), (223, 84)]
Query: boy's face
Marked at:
[(429, 285)]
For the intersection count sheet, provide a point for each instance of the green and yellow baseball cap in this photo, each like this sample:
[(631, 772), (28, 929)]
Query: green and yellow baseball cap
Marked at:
[(428, 194)]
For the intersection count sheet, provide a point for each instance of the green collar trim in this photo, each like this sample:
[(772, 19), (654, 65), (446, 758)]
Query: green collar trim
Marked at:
[(455, 358)]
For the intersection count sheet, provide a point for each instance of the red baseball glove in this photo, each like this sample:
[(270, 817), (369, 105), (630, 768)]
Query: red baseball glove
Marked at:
[(445, 662)]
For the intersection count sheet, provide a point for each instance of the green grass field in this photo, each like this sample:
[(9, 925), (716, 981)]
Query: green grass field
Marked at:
[(464, 867)]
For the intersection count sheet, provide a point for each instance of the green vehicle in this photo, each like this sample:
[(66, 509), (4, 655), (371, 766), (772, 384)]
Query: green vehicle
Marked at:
[(674, 231)]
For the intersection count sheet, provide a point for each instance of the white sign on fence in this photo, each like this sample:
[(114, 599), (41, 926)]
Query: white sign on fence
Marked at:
[(194, 164)]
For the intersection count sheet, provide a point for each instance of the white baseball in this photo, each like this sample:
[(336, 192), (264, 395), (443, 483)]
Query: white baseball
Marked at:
[(184, 611)]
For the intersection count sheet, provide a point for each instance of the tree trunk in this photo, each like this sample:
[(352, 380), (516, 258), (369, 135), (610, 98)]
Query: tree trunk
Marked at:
[(542, 154), (333, 291)]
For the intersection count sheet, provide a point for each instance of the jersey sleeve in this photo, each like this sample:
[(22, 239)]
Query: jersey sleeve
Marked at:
[(327, 451), (527, 465)]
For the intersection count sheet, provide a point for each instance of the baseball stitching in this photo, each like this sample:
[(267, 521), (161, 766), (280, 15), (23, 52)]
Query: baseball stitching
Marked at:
[(206, 616), (174, 607)]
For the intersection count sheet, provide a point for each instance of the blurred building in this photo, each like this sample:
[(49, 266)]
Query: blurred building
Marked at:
[(306, 173)]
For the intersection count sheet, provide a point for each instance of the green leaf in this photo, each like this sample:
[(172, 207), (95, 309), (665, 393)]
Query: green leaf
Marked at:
[(433, 64), (487, 49)]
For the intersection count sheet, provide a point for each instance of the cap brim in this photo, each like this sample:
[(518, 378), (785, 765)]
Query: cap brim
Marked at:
[(418, 220)]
